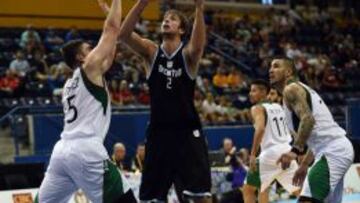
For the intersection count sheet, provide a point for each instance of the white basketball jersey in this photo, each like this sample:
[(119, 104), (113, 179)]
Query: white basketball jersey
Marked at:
[(325, 128), (87, 109), (276, 130)]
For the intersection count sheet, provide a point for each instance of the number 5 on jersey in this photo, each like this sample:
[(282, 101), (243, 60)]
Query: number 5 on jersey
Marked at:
[(72, 108)]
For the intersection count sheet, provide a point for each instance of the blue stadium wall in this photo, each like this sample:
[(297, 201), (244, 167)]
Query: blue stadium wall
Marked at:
[(130, 129)]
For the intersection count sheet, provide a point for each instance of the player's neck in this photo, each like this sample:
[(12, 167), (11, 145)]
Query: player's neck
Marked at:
[(261, 101), (289, 81), (281, 86), (169, 45)]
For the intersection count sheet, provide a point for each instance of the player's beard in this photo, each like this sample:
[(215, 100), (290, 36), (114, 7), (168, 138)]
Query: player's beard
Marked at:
[(168, 35)]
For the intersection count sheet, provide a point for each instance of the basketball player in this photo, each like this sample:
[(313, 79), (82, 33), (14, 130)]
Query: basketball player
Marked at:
[(176, 150), (274, 96), (79, 159), (314, 125), (272, 134)]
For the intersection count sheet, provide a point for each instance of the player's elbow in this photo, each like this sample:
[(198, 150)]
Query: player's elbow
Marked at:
[(112, 26)]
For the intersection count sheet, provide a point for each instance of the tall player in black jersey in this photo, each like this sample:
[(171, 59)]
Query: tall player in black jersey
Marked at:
[(176, 150)]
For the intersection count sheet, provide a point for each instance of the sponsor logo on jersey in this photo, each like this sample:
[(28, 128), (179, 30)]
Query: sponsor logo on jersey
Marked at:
[(170, 73), (196, 133)]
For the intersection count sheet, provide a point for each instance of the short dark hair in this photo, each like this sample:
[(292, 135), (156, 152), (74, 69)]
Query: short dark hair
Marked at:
[(289, 63), (262, 83), (184, 22), (70, 50)]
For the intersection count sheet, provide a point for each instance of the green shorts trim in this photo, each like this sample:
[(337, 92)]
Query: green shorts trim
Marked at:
[(253, 178), (319, 179), (113, 186)]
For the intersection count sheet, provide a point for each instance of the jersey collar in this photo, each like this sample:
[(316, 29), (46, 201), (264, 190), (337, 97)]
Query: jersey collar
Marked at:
[(174, 53)]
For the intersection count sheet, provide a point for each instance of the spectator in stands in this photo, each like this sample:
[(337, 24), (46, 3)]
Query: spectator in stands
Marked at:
[(330, 79), (118, 157), (233, 114), (29, 37), (138, 161), (292, 51), (206, 86), (114, 90), (209, 108), (144, 96), (9, 83), (236, 79), (239, 171), (220, 79), (265, 51), (322, 48), (52, 41), (221, 110), (20, 65), (227, 147), (39, 67), (73, 34), (117, 70), (59, 73), (123, 96), (244, 156), (131, 73), (198, 100), (311, 78), (142, 26)]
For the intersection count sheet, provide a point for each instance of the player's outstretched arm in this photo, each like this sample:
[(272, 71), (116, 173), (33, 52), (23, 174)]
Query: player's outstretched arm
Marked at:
[(258, 116), (195, 48), (146, 48), (295, 98), (101, 57)]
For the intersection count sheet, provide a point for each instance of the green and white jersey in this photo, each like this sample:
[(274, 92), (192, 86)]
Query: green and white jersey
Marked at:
[(87, 112), (276, 130), (325, 128)]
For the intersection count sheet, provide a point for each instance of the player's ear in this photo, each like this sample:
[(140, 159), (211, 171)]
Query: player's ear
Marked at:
[(288, 72), (80, 57)]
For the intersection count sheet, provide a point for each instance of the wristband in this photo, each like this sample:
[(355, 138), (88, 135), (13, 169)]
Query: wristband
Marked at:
[(297, 151)]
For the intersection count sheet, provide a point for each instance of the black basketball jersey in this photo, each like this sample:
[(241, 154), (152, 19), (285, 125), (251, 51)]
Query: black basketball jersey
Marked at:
[(172, 92)]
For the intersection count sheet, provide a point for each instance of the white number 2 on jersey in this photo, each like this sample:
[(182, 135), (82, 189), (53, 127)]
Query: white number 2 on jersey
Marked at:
[(168, 84)]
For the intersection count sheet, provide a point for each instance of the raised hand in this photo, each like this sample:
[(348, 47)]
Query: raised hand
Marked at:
[(104, 6), (199, 2)]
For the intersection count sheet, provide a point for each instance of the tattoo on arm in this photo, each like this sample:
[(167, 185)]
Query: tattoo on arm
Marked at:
[(309, 157), (295, 98)]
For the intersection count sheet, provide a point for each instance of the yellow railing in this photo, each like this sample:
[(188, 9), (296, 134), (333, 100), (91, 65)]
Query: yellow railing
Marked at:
[(62, 13)]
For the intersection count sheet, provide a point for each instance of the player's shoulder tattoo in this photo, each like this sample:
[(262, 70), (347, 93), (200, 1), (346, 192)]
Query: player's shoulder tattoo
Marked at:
[(294, 94)]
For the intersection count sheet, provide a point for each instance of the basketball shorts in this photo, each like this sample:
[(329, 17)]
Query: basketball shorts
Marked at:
[(269, 171), (324, 181), (178, 157), (68, 170)]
